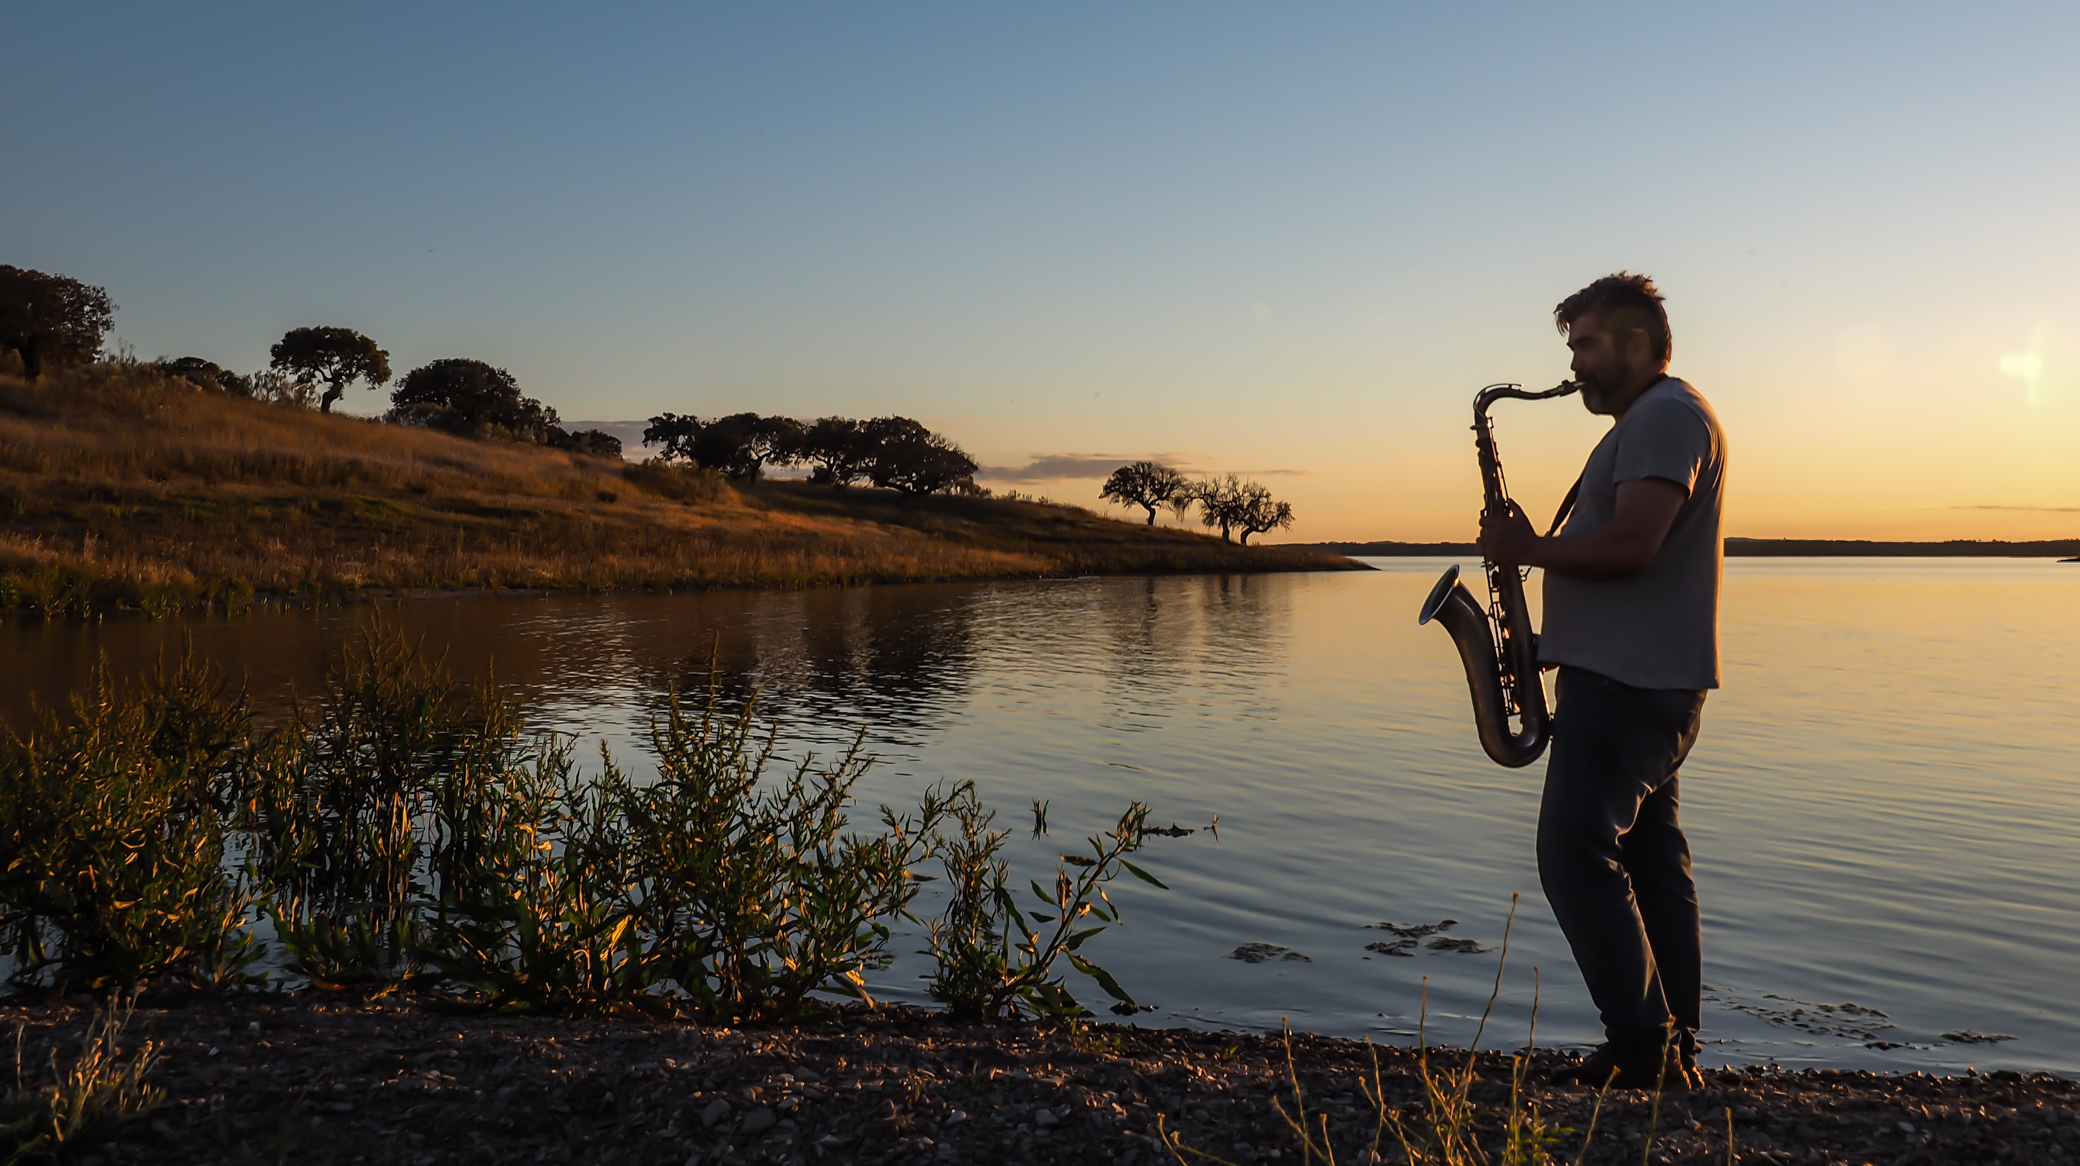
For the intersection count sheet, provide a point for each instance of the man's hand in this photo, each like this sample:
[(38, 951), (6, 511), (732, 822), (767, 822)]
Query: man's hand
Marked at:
[(1508, 539)]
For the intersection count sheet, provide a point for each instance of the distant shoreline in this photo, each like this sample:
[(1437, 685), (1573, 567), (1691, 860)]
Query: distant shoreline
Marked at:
[(2065, 549)]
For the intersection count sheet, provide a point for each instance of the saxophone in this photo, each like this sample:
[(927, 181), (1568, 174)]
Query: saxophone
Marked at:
[(1497, 645)]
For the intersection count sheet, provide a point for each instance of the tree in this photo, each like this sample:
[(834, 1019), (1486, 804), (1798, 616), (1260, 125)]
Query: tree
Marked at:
[(337, 356), (839, 449), (1143, 484), (1230, 503), (676, 434), (466, 396), (908, 457), (590, 442), (52, 318), (207, 375), (1259, 512), (738, 446)]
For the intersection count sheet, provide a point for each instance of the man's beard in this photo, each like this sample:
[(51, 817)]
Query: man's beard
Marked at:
[(1593, 398)]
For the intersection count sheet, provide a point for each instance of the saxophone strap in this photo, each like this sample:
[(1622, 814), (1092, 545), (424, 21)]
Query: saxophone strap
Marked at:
[(1566, 506)]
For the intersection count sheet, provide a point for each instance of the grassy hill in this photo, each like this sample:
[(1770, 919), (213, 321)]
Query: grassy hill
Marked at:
[(121, 489)]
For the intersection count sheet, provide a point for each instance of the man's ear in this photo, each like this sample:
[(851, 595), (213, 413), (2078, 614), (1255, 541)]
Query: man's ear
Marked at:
[(1638, 348)]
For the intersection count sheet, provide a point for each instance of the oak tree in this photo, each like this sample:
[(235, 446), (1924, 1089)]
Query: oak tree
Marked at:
[(839, 449), (465, 396), (52, 319), (738, 446), (908, 457), (1143, 484), (336, 356), (207, 375)]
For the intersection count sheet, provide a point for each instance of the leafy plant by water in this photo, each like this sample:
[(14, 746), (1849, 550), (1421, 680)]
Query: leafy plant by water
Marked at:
[(112, 829), (402, 830), (994, 959), (753, 891)]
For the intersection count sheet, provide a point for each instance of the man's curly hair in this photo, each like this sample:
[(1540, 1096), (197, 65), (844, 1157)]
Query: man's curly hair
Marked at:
[(1624, 302)]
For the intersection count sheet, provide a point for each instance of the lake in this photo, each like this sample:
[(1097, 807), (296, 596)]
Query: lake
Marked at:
[(1884, 804)]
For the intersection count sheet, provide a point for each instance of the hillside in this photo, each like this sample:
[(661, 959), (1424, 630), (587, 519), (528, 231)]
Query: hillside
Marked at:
[(120, 489)]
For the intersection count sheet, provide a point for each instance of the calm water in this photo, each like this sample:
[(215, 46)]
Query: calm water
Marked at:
[(1884, 804)]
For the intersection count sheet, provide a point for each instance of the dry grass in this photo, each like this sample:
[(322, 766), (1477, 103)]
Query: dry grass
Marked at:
[(122, 489)]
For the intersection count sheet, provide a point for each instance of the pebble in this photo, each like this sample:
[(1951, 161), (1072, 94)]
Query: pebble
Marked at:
[(759, 1120), (1045, 1119), (716, 1111)]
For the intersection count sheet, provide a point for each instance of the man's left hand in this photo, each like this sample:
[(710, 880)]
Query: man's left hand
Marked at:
[(1508, 539)]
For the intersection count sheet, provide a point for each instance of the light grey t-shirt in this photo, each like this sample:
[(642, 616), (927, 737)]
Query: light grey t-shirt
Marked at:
[(1658, 628)]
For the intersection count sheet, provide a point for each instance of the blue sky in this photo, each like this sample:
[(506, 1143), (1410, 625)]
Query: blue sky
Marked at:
[(1286, 242)]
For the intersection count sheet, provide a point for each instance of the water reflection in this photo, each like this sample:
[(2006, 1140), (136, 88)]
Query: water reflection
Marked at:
[(1913, 854)]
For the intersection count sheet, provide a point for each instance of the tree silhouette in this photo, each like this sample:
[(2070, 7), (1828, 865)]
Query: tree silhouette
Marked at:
[(207, 375), (337, 356), (1231, 504), (908, 457), (675, 433), (1143, 484), (738, 446), (1259, 512), (591, 442), (460, 395), (51, 318), (1220, 503), (839, 449)]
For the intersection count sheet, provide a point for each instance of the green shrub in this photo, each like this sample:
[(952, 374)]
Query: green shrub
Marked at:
[(752, 893), (112, 825), (994, 959), (399, 823)]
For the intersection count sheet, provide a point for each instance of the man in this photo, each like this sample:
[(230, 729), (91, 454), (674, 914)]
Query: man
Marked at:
[(1632, 622)]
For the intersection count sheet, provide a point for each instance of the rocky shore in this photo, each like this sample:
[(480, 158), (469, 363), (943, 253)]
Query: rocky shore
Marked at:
[(300, 1080)]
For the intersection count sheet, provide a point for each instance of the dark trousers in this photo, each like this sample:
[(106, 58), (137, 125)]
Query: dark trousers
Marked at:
[(1612, 857)]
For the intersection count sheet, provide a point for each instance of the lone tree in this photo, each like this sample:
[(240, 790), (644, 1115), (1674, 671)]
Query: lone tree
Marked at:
[(1144, 484), (738, 446), (51, 318), (466, 396), (839, 449), (913, 459), (337, 356)]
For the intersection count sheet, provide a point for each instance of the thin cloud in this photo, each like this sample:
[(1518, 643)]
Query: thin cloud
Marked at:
[(2039, 509), (1055, 467)]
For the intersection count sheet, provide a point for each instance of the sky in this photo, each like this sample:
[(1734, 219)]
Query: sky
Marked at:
[(1285, 241)]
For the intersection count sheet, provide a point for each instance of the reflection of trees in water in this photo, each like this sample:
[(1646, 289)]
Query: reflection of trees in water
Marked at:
[(890, 659), (1164, 637)]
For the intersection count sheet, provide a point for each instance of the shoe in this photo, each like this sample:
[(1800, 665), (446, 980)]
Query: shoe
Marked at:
[(1634, 1067)]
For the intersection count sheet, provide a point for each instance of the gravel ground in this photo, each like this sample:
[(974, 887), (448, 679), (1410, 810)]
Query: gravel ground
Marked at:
[(300, 1080)]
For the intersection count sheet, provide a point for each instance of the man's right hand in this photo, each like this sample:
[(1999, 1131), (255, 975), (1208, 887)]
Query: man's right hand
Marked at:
[(1508, 539)]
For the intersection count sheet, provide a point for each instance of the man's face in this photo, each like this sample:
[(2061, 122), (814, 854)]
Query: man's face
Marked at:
[(1596, 362), (1612, 365)]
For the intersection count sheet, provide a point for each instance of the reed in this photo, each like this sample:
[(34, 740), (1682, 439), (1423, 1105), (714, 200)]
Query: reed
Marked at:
[(1447, 1125), (75, 1106)]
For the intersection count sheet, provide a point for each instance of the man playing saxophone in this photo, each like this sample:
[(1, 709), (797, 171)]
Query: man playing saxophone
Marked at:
[(1631, 621)]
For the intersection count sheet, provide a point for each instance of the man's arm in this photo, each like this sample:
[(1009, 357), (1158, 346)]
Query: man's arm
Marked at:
[(1623, 546)]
